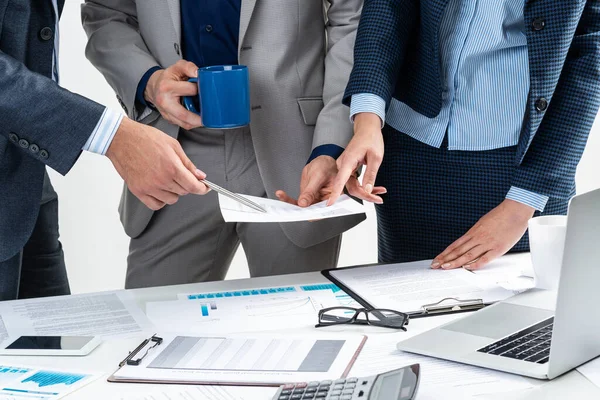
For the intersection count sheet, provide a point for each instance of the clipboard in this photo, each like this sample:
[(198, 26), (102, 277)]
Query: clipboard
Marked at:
[(149, 350), (445, 306)]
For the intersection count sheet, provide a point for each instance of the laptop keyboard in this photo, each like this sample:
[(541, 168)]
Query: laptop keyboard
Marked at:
[(531, 344)]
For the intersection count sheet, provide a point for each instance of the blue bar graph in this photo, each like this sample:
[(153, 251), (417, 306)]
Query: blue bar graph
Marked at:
[(262, 291), (311, 288), (243, 293), (204, 309), (49, 378), (8, 373)]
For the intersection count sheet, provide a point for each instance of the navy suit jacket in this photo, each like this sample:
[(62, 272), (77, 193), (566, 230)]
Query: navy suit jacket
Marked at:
[(397, 55), (40, 123)]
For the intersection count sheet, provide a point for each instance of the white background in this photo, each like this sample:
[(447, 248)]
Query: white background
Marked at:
[(91, 233)]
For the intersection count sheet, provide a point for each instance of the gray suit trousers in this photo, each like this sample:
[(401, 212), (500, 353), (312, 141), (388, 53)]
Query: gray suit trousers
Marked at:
[(189, 241)]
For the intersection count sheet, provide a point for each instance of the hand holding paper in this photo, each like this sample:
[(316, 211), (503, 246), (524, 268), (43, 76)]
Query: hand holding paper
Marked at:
[(278, 211)]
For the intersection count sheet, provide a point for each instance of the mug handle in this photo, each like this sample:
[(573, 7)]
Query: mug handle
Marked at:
[(188, 101)]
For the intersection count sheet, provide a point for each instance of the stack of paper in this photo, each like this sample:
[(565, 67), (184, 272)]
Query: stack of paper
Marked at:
[(278, 211), (409, 287), (109, 314)]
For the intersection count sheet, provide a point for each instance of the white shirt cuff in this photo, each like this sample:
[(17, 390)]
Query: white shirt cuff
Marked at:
[(367, 102), (105, 131), (526, 197)]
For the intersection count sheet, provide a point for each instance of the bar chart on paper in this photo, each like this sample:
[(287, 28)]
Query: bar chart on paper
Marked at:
[(206, 308), (30, 383), (342, 298), (9, 373), (252, 354), (241, 313), (263, 359), (48, 378)]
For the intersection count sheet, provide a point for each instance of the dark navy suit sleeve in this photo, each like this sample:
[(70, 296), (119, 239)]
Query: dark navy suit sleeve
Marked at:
[(34, 108), (139, 94), (381, 45), (551, 161), (331, 150)]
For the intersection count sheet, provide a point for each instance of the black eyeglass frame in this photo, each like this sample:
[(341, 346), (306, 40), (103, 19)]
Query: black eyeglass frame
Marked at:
[(354, 319)]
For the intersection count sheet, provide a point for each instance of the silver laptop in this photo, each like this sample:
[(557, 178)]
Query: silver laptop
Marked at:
[(539, 333)]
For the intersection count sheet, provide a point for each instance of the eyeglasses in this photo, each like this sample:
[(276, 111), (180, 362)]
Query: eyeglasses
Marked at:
[(376, 317)]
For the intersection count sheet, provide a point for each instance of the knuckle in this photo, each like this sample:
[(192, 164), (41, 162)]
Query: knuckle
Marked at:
[(377, 156), (163, 86)]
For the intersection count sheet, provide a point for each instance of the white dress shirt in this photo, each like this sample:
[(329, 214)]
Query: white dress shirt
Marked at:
[(107, 126)]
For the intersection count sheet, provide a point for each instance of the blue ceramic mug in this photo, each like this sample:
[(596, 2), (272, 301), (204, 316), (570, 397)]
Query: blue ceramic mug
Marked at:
[(223, 96)]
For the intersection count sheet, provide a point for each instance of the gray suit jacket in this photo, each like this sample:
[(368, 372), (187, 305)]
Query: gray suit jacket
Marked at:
[(299, 53), (40, 123)]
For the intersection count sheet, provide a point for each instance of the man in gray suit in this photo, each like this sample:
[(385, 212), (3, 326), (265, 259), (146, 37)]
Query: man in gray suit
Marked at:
[(299, 54), (43, 124)]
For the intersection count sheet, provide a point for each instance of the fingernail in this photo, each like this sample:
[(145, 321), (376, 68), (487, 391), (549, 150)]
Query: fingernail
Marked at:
[(302, 203), (200, 174), (369, 188), (446, 266), (379, 201), (435, 264)]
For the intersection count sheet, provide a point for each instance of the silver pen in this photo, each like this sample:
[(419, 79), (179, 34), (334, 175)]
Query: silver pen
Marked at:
[(236, 197)]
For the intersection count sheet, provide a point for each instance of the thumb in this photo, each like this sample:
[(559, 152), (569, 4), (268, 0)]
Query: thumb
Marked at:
[(188, 69), (191, 69), (373, 164), (310, 194)]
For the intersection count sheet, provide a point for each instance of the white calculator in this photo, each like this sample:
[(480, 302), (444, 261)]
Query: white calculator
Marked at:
[(400, 384)]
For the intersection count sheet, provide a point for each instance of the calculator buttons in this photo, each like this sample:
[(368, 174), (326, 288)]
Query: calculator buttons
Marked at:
[(340, 389)]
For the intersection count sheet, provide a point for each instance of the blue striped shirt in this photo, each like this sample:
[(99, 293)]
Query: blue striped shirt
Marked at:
[(485, 77), (107, 126)]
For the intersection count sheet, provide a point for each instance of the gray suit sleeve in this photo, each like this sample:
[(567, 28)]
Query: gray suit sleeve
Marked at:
[(333, 125), (36, 109), (116, 48)]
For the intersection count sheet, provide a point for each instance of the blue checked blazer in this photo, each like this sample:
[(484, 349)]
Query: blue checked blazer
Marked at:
[(397, 55)]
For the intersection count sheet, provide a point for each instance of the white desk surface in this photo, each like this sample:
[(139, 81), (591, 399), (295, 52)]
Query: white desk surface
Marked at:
[(105, 359)]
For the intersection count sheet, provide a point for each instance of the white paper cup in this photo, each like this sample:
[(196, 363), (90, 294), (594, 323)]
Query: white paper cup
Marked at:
[(547, 242)]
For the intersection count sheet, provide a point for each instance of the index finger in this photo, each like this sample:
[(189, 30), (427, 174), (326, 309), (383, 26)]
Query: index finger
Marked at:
[(339, 183), (189, 182)]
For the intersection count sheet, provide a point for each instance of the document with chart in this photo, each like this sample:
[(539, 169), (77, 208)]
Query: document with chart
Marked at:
[(236, 314), (22, 382), (278, 211), (262, 360)]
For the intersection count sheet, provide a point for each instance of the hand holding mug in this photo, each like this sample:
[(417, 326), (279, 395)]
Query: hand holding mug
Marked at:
[(223, 99), (165, 89)]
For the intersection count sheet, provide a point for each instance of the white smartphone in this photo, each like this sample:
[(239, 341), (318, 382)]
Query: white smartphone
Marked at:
[(50, 346)]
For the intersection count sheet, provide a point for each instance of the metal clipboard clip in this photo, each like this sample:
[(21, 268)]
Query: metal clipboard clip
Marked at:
[(459, 305), (129, 360)]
